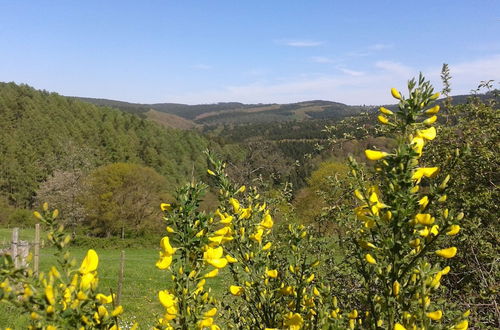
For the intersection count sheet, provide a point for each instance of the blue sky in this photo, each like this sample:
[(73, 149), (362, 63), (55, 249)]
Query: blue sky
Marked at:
[(247, 51)]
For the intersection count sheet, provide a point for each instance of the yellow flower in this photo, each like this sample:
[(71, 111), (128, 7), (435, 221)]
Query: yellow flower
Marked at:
[(236, 290), (435, 230), (258, 235), (386, 111), (49, 294), (214, 257), (51, 327), (211, 172), (165, 207), (37, 215), (235, 204), (375, 155), (272, 273), (424, 219), (428, 172), (117, 311), (430, 120), (464, 325), (436, 316), (383, 119), (294, 321), (87, 281), (90, 262), (211, 274), (433, 110), (353, 314), (167, 299), (102, 311), (423, 202), (230, 259), (210, 313), (205, 323), (370, 259), (267, 246), (447, 253), (166, 253), (398, 326), (454, 229), (418, 144), (164, 262), (428, 134), (359, 195), (395, 93), (103, 299), (267, 221)]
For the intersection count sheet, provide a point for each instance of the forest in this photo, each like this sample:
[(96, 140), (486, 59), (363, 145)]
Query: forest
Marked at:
[(337, 218)]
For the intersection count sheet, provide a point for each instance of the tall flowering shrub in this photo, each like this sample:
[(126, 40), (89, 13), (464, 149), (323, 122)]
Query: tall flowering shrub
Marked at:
[(401, 218), (64, 298), (191, 253)]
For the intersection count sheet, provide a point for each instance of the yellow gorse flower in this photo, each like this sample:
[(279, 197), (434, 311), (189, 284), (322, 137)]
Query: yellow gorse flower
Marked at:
[(395, 93), (236, 290), (436, 316), (375, 155), (386, 111), (89, 263), (428, 172), (214, 257), (428, 134), (272, 273), (166, 253), (370, 259), (447, 253)]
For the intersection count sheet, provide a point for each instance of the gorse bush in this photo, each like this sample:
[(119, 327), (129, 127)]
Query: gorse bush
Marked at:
[(66, 297), (284, 280)]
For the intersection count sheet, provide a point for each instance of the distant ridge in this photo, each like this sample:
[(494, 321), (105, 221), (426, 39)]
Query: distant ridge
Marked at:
[(235, 112)]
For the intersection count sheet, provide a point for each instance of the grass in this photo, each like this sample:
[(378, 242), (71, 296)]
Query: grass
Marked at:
[(142, 281)]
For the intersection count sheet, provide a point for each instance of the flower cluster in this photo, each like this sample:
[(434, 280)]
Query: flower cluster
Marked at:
[(403, 217), (192, 253), (63, 298)]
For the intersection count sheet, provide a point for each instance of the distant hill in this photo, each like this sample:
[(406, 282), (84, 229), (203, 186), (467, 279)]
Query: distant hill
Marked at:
[(236, 113)]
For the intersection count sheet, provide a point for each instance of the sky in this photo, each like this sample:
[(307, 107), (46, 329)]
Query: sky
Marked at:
[(268, 51)]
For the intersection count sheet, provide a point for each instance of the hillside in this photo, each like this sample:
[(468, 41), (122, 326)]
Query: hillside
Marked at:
[(41, 132), (239, 113)]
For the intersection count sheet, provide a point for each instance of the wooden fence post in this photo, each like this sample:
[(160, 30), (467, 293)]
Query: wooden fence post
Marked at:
[(15, 240), (120, 278), (36, 259)]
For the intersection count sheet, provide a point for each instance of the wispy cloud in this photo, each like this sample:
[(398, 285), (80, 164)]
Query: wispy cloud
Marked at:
[(395, 68), (301, 43), (351, 72), (349, 86)]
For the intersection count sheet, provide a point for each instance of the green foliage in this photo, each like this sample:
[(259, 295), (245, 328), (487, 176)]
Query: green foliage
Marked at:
[(121, 199), (470, 149), (41, 132)]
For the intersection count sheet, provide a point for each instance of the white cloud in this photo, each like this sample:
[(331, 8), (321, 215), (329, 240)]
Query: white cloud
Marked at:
[(351, 72), (300, 43), (395, 68), (349, 86)]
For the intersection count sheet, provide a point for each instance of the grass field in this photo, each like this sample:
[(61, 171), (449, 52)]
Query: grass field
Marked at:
[(142, 281)]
